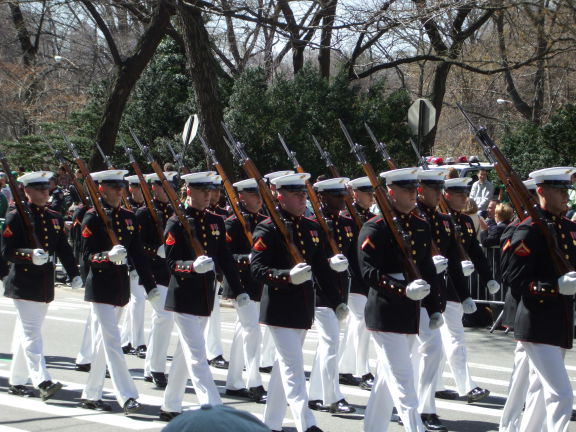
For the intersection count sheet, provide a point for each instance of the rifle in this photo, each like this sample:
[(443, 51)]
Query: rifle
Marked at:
[(146, 194), (313, 199), (109, 165), (249, 167), (20, 207), (92, 191), (179, 160), (334, 172), (64, 164), (525, 198), (232, 197), (381, 148), (172, 197), (400, 236)]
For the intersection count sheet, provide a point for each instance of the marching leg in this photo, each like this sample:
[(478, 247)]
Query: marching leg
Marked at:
[(517, 391)]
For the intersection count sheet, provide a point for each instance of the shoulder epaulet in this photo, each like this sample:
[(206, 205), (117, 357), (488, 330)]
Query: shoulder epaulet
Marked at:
[(346, 217), (230, 218), (376, 219)]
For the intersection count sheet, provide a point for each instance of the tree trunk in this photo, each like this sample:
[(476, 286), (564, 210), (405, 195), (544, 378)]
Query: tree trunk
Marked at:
[(126, 76), (204, 74), (328, 17)]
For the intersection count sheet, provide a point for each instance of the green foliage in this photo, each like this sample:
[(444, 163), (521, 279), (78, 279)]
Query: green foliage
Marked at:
[(311, 105), (529, 147)]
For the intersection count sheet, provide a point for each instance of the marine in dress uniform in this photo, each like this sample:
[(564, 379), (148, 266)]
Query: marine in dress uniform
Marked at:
[(162, 320), (30, 282), (132, 333), (544, 323), (519, 379), (247, 340), (324, 392), (108, 290), (355, 347), (287, 304), (428, 355), (191, 293), (268, 349), (456, 194), (213, 333), (393, 306)]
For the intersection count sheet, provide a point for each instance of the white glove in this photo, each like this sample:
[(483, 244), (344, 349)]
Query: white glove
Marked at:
[(133, 275), (567, 283), (117, 254), (468, 306), (342, 311), (300, 273), (467, 267), (39, 257), (203, 264), (417, 289), (161, 252), (493, 286), (242, 300), (440, 262), (153, 294), (339, 263), (436, 321), (76, 282)]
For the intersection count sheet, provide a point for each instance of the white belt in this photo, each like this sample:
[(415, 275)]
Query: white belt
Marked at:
[(397, 276)]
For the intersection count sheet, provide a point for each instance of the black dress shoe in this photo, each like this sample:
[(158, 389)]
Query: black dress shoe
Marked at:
[(243, 393), (131, 406), (313, 429), (20, 390), (266, 369), (341, 407), (317, 405), (159, 379), (84, 367), (348, 379), (573, 416), (95, 405), (477, 394), (48, 389), (447, 394), (127, 349), (433, 423), (167, 416), (219, 362), (258, 394), (367, 382), (140, 352)]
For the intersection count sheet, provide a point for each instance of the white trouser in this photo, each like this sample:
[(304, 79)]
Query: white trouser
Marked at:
[(28, 357), (108, 351), (427, 356), (190, 361), (324, 383), (245, 349), (162, 325), (133, 324), (87, 345), (268, 354), (288, 382), (517, 390), (549, 400), (394, 384), (212, 333), (452, 332), (355, 345)]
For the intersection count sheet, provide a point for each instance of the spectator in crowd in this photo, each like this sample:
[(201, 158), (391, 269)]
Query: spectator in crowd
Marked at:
[(490, 212), (4, 188), (490, 238), (452, 173), (64, 179), (471, 210), (572, 199), (482, 192), (3, 207)]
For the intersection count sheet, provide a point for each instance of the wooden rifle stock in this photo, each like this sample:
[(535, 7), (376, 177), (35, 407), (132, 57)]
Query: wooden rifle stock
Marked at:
[(147, 195), (313, 200), (253, 172), (20, 207), (561, 264), (401, 238), (334, 173), (229, 189), (93, 192), (172, 197)]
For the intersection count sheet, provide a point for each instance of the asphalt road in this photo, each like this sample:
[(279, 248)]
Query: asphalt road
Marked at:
[(490, 358)]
